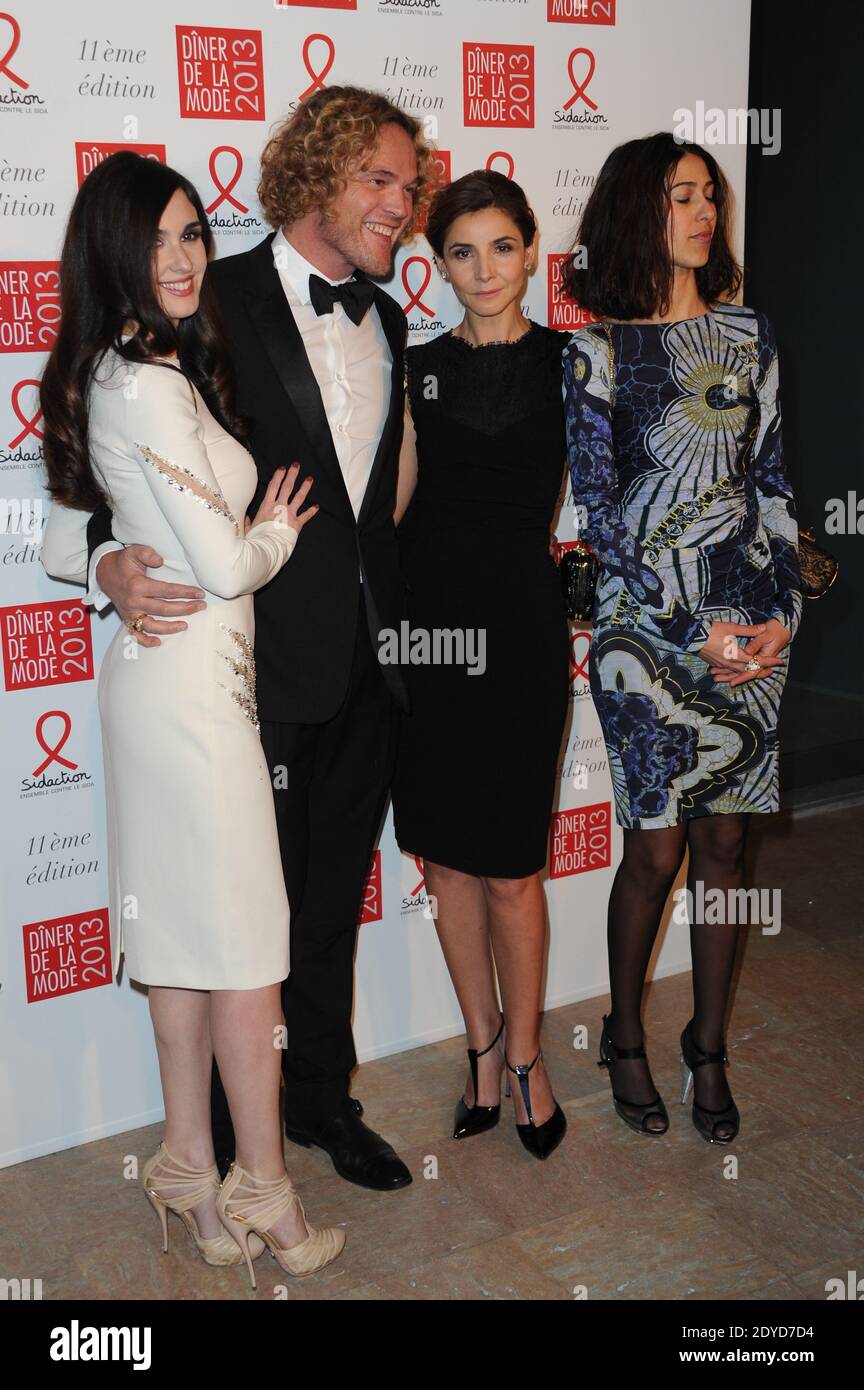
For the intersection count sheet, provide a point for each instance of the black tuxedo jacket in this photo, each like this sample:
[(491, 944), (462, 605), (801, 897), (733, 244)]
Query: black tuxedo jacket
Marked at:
[(305, 618)]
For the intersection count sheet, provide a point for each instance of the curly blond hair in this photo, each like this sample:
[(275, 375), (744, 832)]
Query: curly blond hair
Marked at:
[(306, 161)]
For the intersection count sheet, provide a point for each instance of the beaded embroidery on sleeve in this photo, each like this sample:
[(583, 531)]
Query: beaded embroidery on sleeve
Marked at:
[(187, 481)]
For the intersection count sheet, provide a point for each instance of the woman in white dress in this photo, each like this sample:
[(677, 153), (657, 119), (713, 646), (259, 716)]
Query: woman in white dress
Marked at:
[(138, 409)]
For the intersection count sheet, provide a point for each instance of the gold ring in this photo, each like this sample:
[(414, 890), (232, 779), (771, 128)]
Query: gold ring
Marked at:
[(136, 624), (753, 665)]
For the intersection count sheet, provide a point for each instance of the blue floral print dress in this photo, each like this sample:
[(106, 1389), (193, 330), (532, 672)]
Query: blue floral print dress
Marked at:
[(683, 494)]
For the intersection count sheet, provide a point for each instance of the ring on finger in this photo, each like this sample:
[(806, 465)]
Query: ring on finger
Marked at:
[(136, 624), (753, 665)]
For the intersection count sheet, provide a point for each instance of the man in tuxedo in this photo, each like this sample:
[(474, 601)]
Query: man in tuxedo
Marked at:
[(318, 353)]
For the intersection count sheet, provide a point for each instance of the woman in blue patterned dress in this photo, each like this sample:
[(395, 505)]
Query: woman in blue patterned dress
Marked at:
[(676, 458)]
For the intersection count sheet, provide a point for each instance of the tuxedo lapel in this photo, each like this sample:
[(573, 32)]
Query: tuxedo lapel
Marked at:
[(283, 343)]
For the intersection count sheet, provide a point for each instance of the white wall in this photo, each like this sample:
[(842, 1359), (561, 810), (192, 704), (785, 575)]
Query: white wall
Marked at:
[(83, 1064)]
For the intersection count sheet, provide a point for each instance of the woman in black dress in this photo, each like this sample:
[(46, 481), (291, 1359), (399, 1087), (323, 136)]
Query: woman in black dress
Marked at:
[(476, 773)]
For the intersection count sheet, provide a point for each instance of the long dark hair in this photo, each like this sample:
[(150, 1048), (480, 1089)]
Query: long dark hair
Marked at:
[(628, 274), (482, 188), (106, 280)]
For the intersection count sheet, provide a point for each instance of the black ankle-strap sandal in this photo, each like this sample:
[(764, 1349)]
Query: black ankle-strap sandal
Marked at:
[(706, 1121), (610, 1052)]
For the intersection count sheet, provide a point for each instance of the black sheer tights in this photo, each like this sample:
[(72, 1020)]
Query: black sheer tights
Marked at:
[(648, 869)]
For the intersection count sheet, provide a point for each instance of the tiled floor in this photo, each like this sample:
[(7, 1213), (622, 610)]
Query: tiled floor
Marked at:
[(611, 1212)]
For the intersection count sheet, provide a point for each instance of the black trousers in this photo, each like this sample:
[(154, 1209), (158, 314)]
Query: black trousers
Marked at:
[(330, 789)]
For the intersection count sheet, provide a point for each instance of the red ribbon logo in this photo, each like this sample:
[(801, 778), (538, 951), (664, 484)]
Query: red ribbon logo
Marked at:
[(501, 154), (579, 91), (224, 190), (412, 297), (53, 753), (441, 165), (317, 77), (419, 862), (16, 39), (28, 423), (577, 667)]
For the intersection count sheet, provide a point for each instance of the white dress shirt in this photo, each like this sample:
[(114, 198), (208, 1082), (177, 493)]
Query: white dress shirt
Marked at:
[(351, 363)]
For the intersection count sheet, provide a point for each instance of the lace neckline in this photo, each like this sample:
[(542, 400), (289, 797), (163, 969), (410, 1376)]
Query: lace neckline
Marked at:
[(495, 342)]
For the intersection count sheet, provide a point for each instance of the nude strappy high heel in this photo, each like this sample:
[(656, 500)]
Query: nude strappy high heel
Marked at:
[(247, 1205), (163, 1174)]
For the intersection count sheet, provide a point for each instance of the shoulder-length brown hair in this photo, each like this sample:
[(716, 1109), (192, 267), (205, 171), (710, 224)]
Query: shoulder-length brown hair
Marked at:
[(106, 281), (306, 161), (623, 230), (482, 188)]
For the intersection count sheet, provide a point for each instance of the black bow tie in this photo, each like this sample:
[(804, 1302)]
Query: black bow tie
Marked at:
[(355, 296)]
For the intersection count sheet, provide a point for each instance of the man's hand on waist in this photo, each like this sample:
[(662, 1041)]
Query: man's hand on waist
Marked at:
[(122, 575)]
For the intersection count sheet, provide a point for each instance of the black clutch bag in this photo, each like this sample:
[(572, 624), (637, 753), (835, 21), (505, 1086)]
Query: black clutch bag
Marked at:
[(819, 568), (580, 570)]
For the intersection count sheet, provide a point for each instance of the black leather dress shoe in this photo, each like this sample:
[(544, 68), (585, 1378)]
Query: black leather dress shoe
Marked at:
[(358, 1154)]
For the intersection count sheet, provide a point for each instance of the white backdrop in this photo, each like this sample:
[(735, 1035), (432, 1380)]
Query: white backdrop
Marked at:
[(541, 89)]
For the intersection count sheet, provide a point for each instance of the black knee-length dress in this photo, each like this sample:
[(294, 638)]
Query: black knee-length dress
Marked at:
[(476, 772)]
